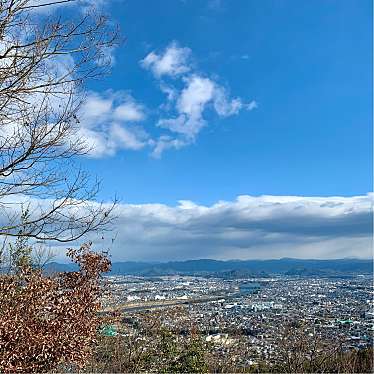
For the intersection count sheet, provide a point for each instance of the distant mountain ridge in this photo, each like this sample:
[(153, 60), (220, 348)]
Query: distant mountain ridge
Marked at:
[(287, 266)]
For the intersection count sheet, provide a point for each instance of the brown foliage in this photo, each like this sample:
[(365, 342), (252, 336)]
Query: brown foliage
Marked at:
[(46, 321)]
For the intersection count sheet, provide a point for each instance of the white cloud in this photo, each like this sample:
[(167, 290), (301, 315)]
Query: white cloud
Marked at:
[(190, 107), (195, 95), (198, 94), (129, 138), (165, 142), (183, 110), (226, 107), (173, 61), (171, 93), (178, 125), (107, 123), (129, 111)]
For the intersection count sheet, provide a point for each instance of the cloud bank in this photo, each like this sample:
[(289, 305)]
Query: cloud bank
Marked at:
[(246, 228)]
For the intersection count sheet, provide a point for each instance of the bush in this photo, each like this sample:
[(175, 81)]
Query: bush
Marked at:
[(49, 320)]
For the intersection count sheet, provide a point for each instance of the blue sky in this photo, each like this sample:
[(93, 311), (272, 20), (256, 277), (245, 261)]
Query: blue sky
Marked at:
[(306, 64), (235, 129)]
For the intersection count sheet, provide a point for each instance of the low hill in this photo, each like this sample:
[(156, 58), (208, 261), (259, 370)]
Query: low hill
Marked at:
[(235, 268)]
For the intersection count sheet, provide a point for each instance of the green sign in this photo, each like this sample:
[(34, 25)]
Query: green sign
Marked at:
[(108, 330)]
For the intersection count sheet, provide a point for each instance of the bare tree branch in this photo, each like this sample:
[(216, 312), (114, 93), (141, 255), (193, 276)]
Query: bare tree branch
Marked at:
[(44, 62)]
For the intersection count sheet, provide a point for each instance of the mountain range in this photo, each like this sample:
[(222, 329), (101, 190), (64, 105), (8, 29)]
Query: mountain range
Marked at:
[(236, 268)]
